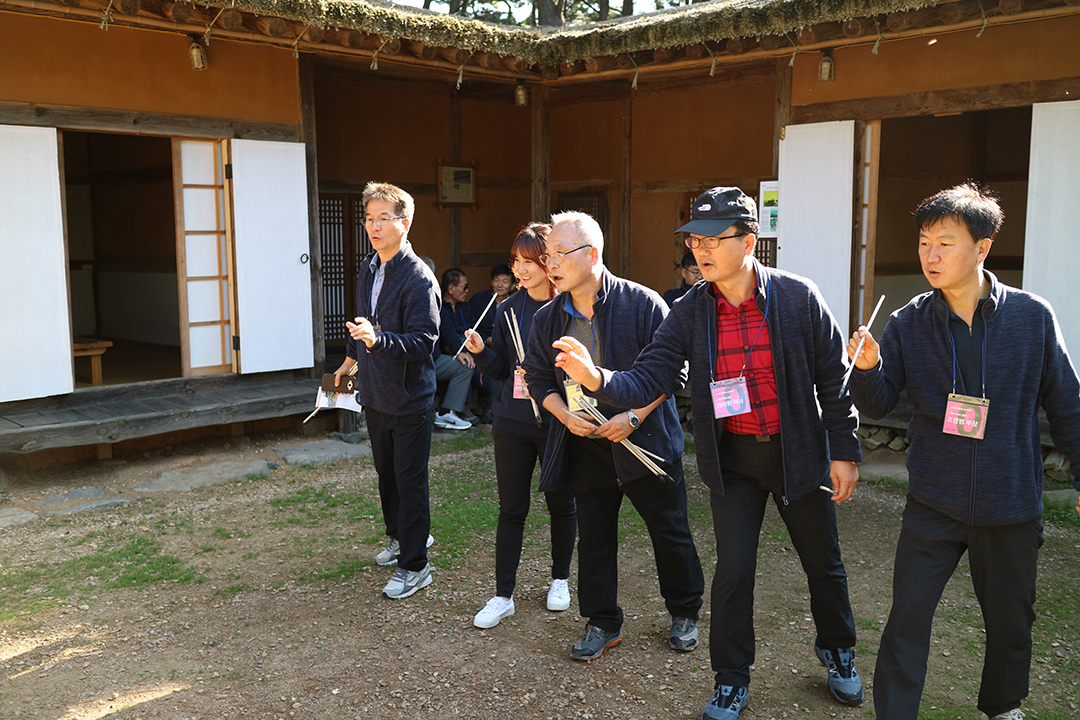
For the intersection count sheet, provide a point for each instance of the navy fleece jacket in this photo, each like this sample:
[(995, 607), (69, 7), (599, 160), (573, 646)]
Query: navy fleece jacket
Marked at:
[(625, 316), (397, 375), (816, 426), (498, 362), (997, 480)]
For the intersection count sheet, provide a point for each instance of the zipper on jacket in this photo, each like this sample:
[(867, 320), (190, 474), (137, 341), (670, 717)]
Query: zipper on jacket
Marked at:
[(971, 503)]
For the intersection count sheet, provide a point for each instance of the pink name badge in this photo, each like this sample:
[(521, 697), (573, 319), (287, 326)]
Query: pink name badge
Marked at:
[(520, 393), (730, 397), (966, 416)]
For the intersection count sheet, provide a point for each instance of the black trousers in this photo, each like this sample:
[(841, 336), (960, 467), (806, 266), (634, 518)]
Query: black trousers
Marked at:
[(661, 504), (515, 459), (1003, 562), (752, 472), (400, 446)]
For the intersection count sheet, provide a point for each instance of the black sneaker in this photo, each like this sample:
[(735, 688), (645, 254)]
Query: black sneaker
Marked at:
[(727, 702), (592, 644), (844, 681), (683, 634)]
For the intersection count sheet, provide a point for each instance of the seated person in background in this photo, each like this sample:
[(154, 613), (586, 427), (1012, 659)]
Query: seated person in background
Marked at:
[(690, 275), (456, 368), (502, 284)]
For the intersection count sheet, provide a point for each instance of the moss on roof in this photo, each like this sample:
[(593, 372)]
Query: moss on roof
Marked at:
[(717, 20)]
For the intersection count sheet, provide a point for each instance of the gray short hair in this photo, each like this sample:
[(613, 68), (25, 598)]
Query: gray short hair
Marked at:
[(588, 230)]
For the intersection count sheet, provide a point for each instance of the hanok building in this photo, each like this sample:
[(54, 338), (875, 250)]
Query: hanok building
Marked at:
[(179, 182)]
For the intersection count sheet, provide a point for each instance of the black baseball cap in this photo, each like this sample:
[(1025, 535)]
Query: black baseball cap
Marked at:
[(717, 209)]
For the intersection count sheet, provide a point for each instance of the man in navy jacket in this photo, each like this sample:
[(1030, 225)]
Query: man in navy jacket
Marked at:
[(768, 337), (978, 358), (614, 319), (397, 324)]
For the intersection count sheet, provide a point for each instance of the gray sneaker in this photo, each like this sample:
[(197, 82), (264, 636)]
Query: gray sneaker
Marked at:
[(683, 634), (405, 582), (389, 556)]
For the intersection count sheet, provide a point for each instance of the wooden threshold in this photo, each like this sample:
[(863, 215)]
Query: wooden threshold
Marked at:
[(115, 413)]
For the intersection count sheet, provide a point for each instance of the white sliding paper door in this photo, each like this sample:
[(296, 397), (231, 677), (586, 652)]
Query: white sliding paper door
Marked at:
[(273, 277), (816, 199), (1052, 234), (203, 251), (35, 323)]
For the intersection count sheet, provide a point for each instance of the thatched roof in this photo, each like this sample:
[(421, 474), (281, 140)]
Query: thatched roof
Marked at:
[(709, 21)]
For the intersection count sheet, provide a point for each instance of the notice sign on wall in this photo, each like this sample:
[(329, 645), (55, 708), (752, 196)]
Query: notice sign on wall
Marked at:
[(769, 209), (457, 184)]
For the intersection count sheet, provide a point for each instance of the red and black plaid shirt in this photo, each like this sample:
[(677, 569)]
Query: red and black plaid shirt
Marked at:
[(736, 328)]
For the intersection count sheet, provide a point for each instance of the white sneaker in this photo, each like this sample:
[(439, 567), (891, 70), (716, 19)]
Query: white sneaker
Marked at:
[(449, 420), (559, 595), (1014, 714), (495, 610), (389, 556)]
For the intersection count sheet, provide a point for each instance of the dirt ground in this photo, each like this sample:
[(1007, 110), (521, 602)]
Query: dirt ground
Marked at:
[(264, 629)]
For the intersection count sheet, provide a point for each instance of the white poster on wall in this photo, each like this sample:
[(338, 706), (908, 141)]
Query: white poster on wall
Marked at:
[(769, 209)]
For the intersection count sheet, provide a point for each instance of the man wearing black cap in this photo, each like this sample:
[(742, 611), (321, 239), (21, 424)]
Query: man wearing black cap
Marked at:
[(766, 361)]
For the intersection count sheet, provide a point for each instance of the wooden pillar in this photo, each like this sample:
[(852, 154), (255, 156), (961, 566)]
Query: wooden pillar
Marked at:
[(867, 176), (782, 116), (541, 154), (625, 197), (454, 146), (307, 136)]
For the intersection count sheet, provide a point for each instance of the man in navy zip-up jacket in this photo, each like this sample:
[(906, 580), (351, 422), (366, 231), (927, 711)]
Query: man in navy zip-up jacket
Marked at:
[(976, 474), (615, 318), (397, 307), (799, 368)]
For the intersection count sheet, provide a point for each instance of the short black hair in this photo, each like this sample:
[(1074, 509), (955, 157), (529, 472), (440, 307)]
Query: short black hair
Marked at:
[(451, 276), (688, 260), (501, 269), (971, 204), (750, 227)]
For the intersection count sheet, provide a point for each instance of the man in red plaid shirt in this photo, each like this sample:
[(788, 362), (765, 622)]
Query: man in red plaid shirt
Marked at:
[(766, 363)]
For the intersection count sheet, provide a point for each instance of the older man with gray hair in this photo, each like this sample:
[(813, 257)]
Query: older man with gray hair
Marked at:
[(614, 319)]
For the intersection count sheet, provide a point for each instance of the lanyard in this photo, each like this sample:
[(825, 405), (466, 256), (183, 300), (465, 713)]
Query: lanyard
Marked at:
[(982, 368), (746, 360)]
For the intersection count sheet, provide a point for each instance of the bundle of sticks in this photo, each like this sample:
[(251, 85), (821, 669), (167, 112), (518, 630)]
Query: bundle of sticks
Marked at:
[(519, 348), (641, 454)]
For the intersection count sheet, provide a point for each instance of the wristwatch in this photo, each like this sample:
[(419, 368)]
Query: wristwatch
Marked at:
[(635, 421)]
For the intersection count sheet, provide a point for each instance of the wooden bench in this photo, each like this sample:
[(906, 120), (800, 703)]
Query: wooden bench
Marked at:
[(95, 349)]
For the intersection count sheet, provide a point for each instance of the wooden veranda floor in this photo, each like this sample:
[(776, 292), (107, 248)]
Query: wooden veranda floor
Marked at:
[(112, 414)]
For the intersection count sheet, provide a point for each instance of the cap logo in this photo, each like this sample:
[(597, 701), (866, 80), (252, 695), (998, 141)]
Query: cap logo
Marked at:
[(704, 208)]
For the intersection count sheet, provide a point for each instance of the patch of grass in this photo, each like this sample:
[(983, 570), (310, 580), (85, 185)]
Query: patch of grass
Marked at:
[(136, 565), (315, 506), (926, 712), (1062, 515), (233, 590), (868, 624), (344, 570), (225, 534), (464, 443)]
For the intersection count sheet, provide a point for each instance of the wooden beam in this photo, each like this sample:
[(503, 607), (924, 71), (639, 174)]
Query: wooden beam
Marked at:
[(540, 203), (872, 166), (306, 69), (420, 50), (178, 12), (356, 187), (454, 150), (969, 99), (69, 117), (782, 109), (626, 137), (601, 64), (128, 7), (693, 185), (584, 185), (271, 26), (231, 20), (483, 259)]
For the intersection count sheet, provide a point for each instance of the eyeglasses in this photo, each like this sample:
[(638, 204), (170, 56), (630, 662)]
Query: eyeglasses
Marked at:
[(710, 242), (378, 222), (556, 258)]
